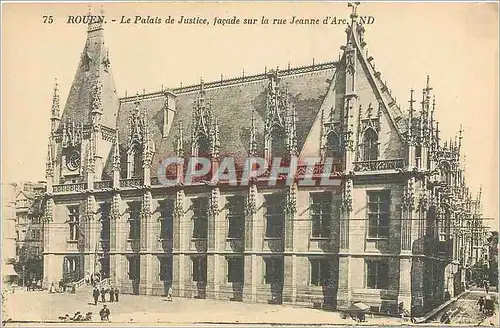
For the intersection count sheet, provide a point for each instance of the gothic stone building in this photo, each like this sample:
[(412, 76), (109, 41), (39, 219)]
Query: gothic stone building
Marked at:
[(389, 234), (29, 229)]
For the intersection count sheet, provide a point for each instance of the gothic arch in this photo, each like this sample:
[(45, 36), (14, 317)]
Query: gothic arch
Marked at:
[(370, 144), (134, 161), (445, 168), (333, 146), (277, 142)]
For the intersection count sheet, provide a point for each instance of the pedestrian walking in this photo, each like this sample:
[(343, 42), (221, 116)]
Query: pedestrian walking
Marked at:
[(104, 313), (169, 294), (480, 302), (486, 286), (52, 288), (111, 294), (95, 294), (117, 292), (103, 295)]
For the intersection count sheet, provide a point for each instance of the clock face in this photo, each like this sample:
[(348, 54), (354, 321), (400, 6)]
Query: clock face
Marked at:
[(73, 160)]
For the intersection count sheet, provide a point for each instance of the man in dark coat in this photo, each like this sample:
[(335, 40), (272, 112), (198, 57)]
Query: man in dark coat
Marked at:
[(480, 302), (104, 313), (111, 295), (103, 295), (95, 294), (117, 292)]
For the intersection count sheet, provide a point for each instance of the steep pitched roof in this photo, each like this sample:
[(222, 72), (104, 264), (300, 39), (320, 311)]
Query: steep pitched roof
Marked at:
[(94, 66), (233, 102), (380, 88)]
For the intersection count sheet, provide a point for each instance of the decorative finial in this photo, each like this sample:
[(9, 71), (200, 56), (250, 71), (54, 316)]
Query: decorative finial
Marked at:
[(428, 87), (180, 141), (55, 100), (354, 7), (253, 143), (95, 21), (460, 137), (116, 153), (411, 101)]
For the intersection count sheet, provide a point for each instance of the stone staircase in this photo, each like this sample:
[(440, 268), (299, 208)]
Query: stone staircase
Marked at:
[(82, 287)]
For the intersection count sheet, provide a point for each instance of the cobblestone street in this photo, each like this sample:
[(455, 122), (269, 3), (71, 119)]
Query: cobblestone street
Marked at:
[(465, 310), (150, 309)]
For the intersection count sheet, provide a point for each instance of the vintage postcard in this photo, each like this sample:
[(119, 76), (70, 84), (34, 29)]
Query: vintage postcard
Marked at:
[(252, 163)]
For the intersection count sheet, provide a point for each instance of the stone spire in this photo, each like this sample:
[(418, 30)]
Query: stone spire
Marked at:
[(253, 143), (148, 148), (49, 170), (460, 137), (116, 154), (292, 132), (215, 139), (410, 118), (431, 123), (93, 71), (55, 110), (179, 147)]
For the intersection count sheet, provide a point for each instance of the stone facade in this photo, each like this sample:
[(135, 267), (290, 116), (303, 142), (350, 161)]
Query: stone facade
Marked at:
[(388, 233), (29, 231), (8, 233)]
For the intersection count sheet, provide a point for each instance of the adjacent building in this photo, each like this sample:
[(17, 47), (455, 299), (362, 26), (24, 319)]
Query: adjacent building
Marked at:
[(29, 231), (389, 232), (8, 233)]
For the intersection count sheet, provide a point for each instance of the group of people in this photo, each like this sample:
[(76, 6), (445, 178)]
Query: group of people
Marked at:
[(113, 294), (77, 317), (486, 304), (33, 285), (104, 314), (113, 297)]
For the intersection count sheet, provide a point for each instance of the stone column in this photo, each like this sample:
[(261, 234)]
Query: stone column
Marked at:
[(405, 282), (290, 283), (146, 239), (213, 240), (418, 277), (92, 234), (250, 278), (179, 275), (118, 235)]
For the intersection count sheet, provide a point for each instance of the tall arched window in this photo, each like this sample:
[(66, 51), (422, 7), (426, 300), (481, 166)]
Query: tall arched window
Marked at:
[(333, 148), (446, 173), (370, 145), (278, 143), (135, 162), (204, 147)]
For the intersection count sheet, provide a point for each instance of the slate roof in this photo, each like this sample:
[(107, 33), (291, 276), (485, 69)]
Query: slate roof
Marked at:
[(232, 103), (78, 105)]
